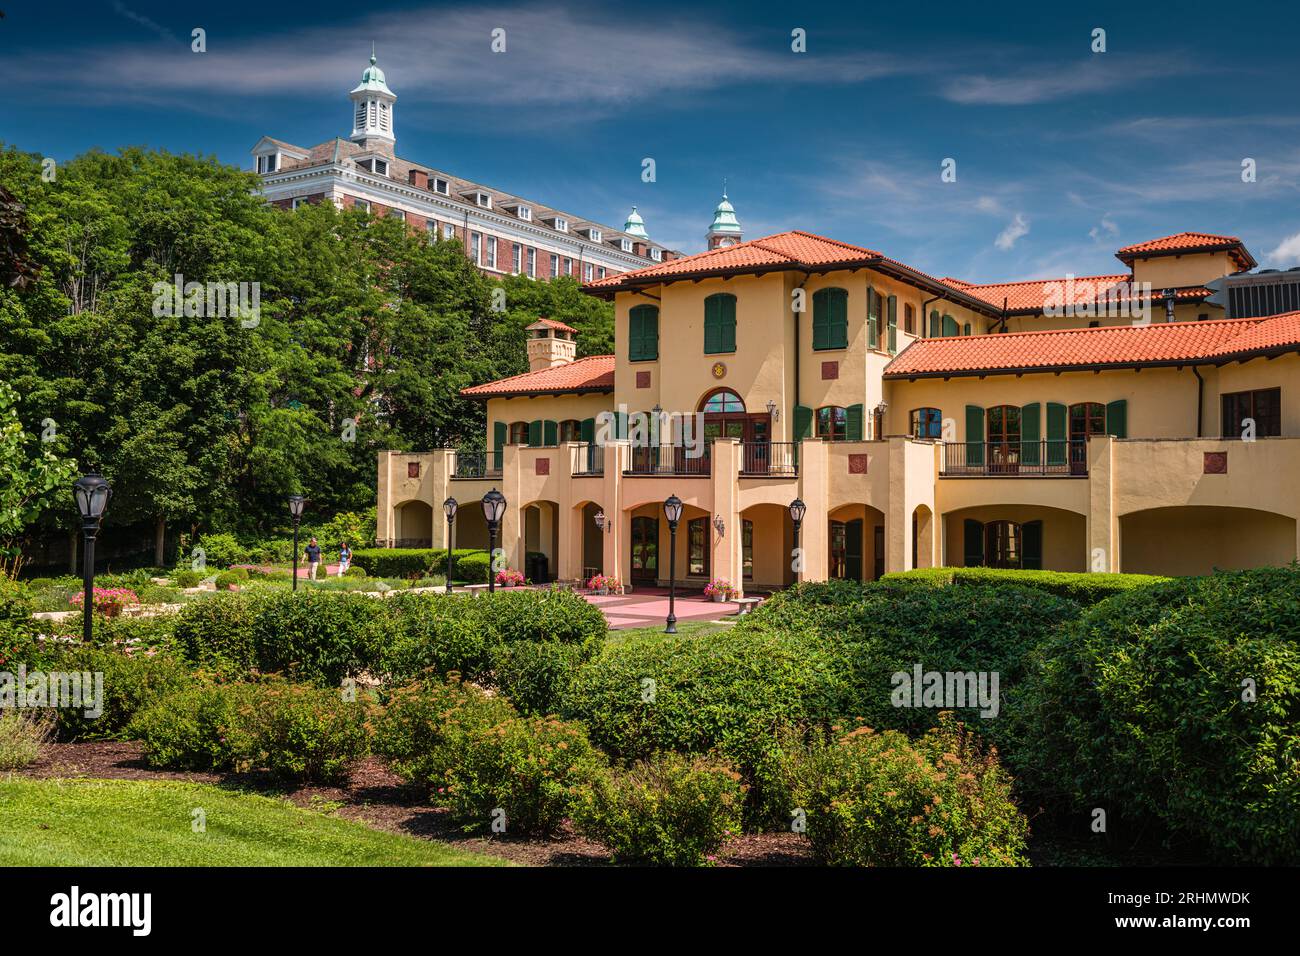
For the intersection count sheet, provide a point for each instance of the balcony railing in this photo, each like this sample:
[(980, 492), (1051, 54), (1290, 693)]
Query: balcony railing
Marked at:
[(1023, 459), (588, 459), (669, 460), (761, 458), (478, 464)]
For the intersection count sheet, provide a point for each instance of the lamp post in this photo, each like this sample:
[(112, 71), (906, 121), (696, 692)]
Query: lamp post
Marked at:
[(797, 510), (673, 512), (295, 510), (449, 509), (91, 493), (494, 506)]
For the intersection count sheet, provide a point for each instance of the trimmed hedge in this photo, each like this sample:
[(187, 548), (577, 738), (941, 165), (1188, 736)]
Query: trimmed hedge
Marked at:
[(1142, 708), (1083, 588), (422, 562), (132, 681)]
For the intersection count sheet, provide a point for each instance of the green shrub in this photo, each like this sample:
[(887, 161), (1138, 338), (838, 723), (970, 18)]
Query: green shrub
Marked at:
[(155, 594), (226, 579), (535, 676), (544, 615), (480, 760), (221, 550), (355, 572), (398, 562), (297, 733), (217, 632), (1142, 708), (1082, 588), (473, 568), (132, 680), (186, 578), (878, 799), (668, 811), (23, 735)]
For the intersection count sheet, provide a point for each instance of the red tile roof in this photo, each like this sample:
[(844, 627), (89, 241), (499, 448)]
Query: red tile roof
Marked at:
[(558, 326), (795, 250), (1034, 295), (595, 373), (1124, 346), (1183, 243)]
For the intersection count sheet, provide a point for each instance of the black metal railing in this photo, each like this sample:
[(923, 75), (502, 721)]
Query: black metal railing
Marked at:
[(670, 460), (769, 458), (1028, 459), (478, 464), (588, 459)]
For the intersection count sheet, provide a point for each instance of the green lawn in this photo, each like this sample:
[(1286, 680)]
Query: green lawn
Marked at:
[(684, 629), (137, 823)]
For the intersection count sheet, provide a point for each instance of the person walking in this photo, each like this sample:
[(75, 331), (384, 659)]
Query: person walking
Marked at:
[(345, 558), (313, 558)]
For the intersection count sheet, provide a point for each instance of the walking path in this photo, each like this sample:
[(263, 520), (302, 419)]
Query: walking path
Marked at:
[(649, 607)]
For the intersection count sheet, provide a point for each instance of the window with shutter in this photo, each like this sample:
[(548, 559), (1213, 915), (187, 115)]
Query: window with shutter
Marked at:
[(720, 323), (1117, 418), (803, 416), (643, 333), (936, 329), (873, 318), (892, 320), (1056, 440), (830, 319), (974, 435), (1029, 434), (950, 327), (853, 429), (535, 433), (550, 434)]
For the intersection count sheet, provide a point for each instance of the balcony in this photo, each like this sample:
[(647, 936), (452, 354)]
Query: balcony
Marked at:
[(669, 460), (769, 459), (1025, 459), (477, 464), (588, 460)]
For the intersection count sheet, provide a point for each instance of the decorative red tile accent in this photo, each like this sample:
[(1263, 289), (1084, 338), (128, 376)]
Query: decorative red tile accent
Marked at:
[(1216, 462), (412, 469), (830, 370), (543, 466), (857, 464), (642, 379)]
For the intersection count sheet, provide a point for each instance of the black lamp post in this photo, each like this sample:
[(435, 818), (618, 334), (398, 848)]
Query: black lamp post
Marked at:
[(797, 510), (494, 507), (673, 512), (91, 493), (295, 509), (449, 509)]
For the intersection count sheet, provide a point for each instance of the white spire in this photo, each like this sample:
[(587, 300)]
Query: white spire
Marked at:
[(372, 109)]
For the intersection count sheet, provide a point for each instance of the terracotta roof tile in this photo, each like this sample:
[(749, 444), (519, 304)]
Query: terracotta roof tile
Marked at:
[(1123, 346), (552, 324), (595, 373), (1185, 242)]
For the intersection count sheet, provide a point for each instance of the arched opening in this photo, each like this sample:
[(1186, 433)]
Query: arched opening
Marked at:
[(922, 537), (540, 526), (592, 537), (470, 527), (650, 540), (855, 543), (766, 548), (1015, 536), (725, 416), (413, 525), (1198, 539)]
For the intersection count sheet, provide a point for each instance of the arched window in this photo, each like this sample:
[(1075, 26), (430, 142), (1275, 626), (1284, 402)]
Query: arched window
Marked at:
[(830, 319), (519, 433), (833, 423), (722, 400), (927, 423), (720, 323)]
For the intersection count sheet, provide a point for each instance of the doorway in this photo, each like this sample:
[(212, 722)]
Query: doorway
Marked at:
[(645, 550)]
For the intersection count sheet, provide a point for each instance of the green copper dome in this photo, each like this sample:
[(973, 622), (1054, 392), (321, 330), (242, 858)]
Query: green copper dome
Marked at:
[(372, 78), (635, 225), (724, 218)]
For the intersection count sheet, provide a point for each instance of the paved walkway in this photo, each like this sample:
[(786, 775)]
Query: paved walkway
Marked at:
[(648, 607)]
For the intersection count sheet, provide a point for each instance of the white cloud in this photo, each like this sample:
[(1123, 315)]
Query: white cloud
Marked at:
[(1042, 83), (1286, 254), (1105, 229), (1017, 229)]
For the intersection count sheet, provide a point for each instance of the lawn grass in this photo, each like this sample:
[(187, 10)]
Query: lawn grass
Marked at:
[(149, 823), (684, 629)]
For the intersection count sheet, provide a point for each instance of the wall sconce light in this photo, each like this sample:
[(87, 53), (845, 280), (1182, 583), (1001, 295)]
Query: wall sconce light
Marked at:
[(719, 525), (773, 410), (603, 523)]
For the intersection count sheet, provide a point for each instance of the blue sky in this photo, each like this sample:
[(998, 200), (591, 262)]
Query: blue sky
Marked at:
[(1063, 155)]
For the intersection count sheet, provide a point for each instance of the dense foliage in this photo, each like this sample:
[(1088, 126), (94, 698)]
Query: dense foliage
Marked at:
[(1081, 587)]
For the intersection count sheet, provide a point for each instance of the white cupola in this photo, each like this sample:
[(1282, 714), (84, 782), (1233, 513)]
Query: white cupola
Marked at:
[(372, 110)]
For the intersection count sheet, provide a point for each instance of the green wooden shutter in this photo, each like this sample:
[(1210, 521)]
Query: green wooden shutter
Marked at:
[(819, 323), (974, 543), (729, 324), (1030, 435), (620, 424), (1117, 418), (950, 327), (965, 329), (499, 433), (853, 549), (873, 318), (1057, 444), (893, 324), (712, 324), (587, 430), (1032, 539), (853, 423), (802, 422), (550, 433), (936, 329), (535, 433), (974, 435), (839, 319), (643, 333)]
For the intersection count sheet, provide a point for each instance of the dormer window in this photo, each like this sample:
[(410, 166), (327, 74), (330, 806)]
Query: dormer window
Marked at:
[(657, 255), (593, 235), (440, 186), (525, 213), (374, 165), (483, 199), (268, 163), (561, 225), (625, 245)]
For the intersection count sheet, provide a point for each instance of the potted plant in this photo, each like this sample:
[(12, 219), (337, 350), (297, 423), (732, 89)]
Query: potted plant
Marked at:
[(603, 584), (108, 601), (509, 578), (719, 590)]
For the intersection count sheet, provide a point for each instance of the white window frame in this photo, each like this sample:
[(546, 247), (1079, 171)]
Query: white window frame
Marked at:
[(525, 213), (491, 252), (448, 231), (268, 163), (561, 224), (568, 267), (361, 204), (625, 244), (555, 265), (484, 200), (587, 271), (476, 243), (594, 235), (516, 258), (298, 201), (532, 263), (657, 255), (379, 166), (440, 186)]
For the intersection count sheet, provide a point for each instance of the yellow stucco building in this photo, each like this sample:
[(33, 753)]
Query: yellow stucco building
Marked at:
[(1105, 423)]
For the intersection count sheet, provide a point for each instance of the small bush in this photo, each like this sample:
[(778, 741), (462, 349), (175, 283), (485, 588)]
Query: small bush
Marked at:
[(478, 758), (535, 676), (227, 580), (355, 572), (473, 568), (1082, 588), (132, 679), (668, 811), (186, 578), (878, 799), (23, 735), (398, 562), (220, 550), (218, 632), (297, 733)]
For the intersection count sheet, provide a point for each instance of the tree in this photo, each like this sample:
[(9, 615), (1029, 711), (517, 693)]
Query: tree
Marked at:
[(31, 474)]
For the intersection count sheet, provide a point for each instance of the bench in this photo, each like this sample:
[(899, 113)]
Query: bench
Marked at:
[(474, 589), (746, 604)]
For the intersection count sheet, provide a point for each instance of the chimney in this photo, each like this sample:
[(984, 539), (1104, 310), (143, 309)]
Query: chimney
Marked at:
[(550, 344), (419, 179)]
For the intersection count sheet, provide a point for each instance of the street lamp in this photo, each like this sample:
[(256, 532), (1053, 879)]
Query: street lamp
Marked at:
[(673, 512), (295, 510), (449, 509), (603, 523), (797, 510), (91, 493), (494, 507)]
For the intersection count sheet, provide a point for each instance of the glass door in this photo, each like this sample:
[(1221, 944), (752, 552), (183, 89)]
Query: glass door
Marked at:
[(645, 550)]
